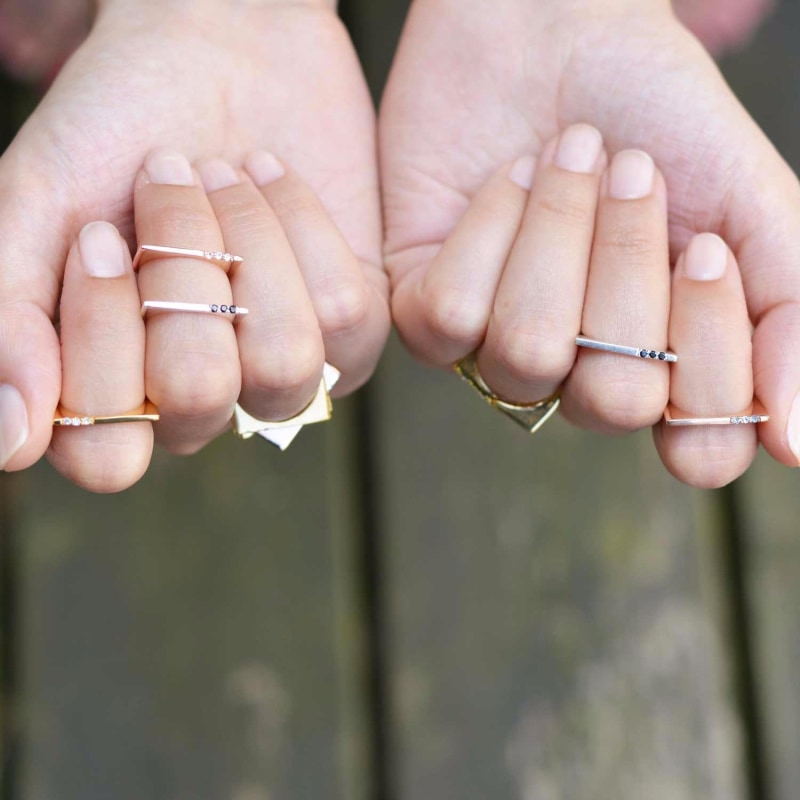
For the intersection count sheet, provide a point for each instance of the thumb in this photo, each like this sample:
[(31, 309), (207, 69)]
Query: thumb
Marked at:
[(763, 218), (33, 246)]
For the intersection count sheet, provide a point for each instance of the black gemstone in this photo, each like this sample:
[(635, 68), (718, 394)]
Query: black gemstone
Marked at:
[(232, 309), (643, 353), (223, 309), (214, 309), (662, 356), (653, 354)]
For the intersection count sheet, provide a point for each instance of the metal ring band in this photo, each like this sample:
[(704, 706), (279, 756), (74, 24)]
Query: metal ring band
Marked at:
[(675, 417), (230, 312), (147, 412), (624, 350), (530, 416), (223, 260)]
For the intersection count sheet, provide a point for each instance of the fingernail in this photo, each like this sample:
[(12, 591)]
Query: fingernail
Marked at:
[(101, 251), (706, 258), (522, 172), (168, 167), (793, 429), (579, 149), (263, 167), (13, 423), (217, 174), (631, 175)]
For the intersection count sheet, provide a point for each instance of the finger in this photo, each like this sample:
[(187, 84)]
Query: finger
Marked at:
[(710, 331), (349, 298), (192, 363), (761, 223), (627, 303), (442, 308), (530, 343), (102, 343), (33, 248), (280, 344)]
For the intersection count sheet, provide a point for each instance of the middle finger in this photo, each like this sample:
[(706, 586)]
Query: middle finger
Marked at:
[(192, 368)]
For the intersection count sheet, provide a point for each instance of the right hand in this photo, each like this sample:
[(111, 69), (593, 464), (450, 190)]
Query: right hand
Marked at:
[(203, 78)]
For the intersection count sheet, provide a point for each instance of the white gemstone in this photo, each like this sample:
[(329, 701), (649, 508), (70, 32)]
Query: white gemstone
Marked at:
[(228, 257), (218, 256), (67, 421), (86, 421)]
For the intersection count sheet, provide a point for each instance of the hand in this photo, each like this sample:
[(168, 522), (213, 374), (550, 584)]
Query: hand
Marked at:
[(203, 78), (194, 364), (472, 89)]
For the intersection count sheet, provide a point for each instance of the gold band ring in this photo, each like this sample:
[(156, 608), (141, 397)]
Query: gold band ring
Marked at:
[(146, 412), (530, 416)]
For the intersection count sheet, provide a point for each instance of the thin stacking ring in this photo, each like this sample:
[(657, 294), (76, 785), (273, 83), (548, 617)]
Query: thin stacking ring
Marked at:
[(676, 418), (530, 416), (147, 412), (223, 260), (219, 309), (623, 350)]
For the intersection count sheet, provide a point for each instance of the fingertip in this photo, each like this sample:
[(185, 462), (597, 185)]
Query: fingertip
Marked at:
[(579, 149), (103, 252), (522, 172), (706, 258), (14, 428), (216, 174), (263, 168)]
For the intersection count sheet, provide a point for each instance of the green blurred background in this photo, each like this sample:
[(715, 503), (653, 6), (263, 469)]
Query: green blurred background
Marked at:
[(392, 611)]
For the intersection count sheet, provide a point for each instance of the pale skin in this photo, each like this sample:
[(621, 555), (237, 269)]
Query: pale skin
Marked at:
[(449, 121)]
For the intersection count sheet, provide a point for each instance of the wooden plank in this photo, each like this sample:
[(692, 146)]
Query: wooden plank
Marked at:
[(767, 78), (191, 638), (556, 619)]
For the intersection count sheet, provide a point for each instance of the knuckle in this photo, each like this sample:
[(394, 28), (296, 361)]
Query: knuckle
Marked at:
[(627, 241), (564, 204), (534, 354), (296, 206), (287, 364), (449, 317), (184, 221), (249, 219), (344, 308), (197, 387), (626, 404)]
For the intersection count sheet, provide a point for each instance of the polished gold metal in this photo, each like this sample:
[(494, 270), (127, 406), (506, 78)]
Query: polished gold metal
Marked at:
[(754, 415), (282, 433), (530, 416), (147, 252), (146, 412)]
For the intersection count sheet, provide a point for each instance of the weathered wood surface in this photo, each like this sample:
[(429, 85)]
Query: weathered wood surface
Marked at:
[(196, 636), (554, 624)]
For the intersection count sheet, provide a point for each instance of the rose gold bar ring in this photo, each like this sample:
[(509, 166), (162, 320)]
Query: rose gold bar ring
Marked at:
[(676, 418), (147, 252)]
